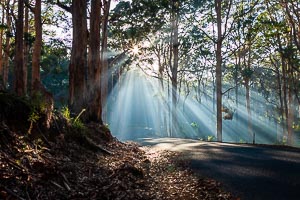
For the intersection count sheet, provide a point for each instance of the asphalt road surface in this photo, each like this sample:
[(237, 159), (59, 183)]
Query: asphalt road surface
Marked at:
[(250, 172)]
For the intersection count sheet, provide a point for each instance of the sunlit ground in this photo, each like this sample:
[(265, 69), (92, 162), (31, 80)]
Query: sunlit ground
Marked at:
[(139, 107)]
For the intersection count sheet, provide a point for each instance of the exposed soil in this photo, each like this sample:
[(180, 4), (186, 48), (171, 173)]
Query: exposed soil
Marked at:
[(56, 165)]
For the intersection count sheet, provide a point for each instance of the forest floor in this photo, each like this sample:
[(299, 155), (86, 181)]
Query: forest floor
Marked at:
[(66, 170), (58, 165)]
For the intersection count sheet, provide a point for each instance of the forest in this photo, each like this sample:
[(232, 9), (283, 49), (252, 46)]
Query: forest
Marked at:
[(208, 70), (223, 70)]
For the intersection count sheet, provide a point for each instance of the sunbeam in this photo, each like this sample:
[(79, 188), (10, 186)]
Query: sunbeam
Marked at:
[(139, 107)]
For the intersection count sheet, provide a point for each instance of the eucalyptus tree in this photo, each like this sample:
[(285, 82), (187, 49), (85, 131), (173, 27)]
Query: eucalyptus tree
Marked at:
[(78, 65), (292, 11), (19, 75), (287, 52), (98, 60), (2, 27), (246, 53), (88, 68), (94, 72), (104, 57), (282, 59), (36, 57), (217, 28), (7, 9)]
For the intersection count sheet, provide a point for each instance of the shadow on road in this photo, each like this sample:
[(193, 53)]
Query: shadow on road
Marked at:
[(249, 171)]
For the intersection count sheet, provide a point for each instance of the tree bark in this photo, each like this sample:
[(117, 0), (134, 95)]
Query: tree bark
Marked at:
[(290, 119), (77, 67), (248, 100), (1, 52), (37, 43), (219, 70), (104, 60), (7, 44), (94, 64), (248, 106), (281, 111), (19, 80), (26, 44), (174, 66)]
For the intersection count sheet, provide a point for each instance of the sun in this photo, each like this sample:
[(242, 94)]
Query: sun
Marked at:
[(135, 49)]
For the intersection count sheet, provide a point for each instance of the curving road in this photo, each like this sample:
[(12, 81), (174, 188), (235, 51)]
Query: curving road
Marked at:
[(249, 171)]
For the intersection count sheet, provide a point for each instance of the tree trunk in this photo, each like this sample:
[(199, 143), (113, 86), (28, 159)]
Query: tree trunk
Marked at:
[(94, 64), (248, 106), (37, 43), (284, 88), (19, 80), (279, 135), (104, 61), (174, 66), (26, 44), (77, 67), (7, 45), (248, 103), (1, 52), (291, 108), (290, 119), (219, 70)]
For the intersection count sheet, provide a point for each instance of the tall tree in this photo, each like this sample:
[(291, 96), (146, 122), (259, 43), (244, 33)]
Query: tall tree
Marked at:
[(1, 47), (174, 53), (37, 43), (78, 62), (19, 79), (104, 58), (26, 43), (94, 63), (8, 11), (218, 8)]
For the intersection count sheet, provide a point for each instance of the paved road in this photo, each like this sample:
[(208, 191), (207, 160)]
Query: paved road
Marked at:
[(248, 171)]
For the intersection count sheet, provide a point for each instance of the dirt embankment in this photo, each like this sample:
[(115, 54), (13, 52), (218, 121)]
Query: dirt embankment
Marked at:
[(66, 163)]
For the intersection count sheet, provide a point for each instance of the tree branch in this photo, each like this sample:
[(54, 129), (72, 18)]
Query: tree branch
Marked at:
[(63, 6), (27, 4)]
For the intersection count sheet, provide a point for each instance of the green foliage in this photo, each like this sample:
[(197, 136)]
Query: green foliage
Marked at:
[(38, 102), (65, 111), (29, 39), (281, 142), (54, 70), (171, 168), (106, 125), (3, 26), (242, 141), (194, 125), (211, 138), (296, 126), (77, 125), (247, 73), (38, 107), (34, 116)]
